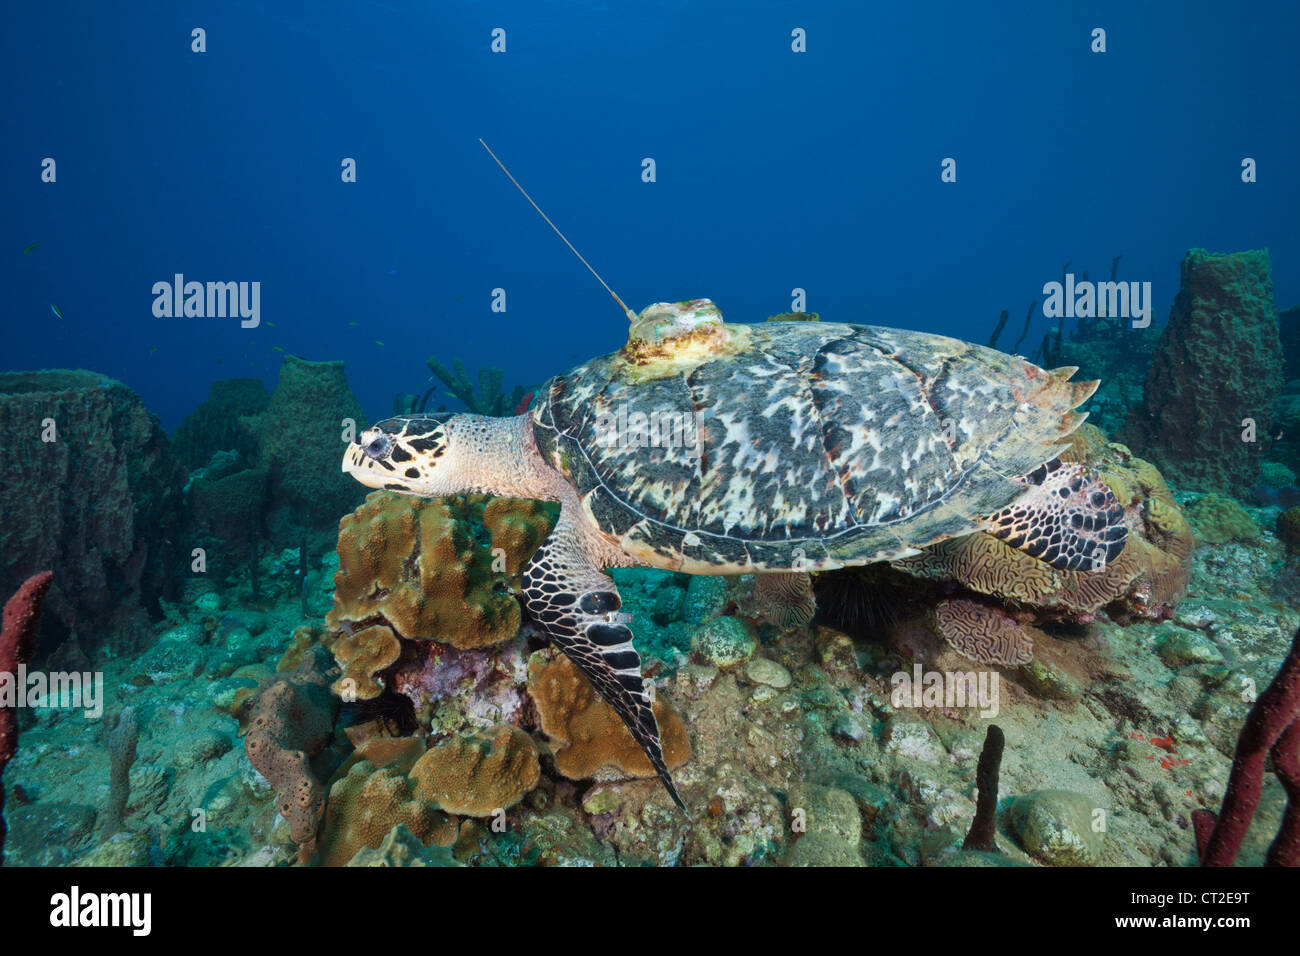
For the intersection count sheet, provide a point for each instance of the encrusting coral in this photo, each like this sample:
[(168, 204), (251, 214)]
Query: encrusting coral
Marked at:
[(478, 774), (371, 794), (428, 570), (1147, 580), (587, 737)]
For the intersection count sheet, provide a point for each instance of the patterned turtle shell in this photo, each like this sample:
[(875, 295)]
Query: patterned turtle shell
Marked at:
[(723, 448)]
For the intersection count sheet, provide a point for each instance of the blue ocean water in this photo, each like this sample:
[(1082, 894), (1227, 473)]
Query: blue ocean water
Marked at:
[(775, 170)]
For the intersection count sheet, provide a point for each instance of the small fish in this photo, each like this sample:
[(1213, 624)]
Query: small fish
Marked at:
[(277, 348), (351, 323), (462, 298), (392, 272), (271, 324), (152, 350), (377, 342), (55, 310), (29, 248)]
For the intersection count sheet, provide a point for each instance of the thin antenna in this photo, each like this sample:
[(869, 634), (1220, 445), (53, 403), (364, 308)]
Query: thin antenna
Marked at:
[(631, 316)]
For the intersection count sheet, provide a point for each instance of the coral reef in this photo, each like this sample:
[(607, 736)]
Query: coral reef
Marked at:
[(428, 570), (290, 719), (588, 740), (299, 440), (216, 424), (371, 794), (1200, 396), (101, 496), (1272, 729), (22, 621)]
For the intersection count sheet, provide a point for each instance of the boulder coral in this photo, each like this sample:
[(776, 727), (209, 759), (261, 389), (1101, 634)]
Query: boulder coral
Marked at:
[(588, 740), (442, 569), (1146, 581), (1218, 367), (101, 502), (1218, 520)]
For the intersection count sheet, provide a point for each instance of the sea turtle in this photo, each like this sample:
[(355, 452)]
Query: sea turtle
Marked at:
[(776, 449)]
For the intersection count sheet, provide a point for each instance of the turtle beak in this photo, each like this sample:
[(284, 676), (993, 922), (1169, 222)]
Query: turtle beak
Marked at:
[(362, 467)]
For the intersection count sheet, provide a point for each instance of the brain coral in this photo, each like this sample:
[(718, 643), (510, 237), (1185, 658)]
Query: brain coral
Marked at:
[(478, 774), (1147, 580), (440, 569), (587, 737)]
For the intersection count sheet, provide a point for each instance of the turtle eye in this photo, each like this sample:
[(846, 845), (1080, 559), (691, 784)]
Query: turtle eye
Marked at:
[(379, 447)]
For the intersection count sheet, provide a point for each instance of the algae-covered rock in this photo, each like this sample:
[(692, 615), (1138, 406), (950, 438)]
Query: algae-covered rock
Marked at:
[(724, 642), (1049, 682), (121, 849), (1179, 648), (768, 673), (1056, 827), (47, 834)]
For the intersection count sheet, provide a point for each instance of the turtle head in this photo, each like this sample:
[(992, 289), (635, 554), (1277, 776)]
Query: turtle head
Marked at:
[(409, 454)]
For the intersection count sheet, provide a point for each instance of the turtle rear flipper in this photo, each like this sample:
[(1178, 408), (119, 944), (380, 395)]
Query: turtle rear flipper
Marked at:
[(1069, 518), (577, 606)]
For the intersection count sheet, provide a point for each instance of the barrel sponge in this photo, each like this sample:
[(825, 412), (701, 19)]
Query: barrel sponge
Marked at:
[(438, 569), (371, 794), (587, 738), (478, 774)]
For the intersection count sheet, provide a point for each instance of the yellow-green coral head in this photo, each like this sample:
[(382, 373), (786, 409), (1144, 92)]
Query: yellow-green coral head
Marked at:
[(406, 454)]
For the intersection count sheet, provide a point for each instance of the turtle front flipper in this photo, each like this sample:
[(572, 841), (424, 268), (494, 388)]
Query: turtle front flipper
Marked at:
[(577, 606)]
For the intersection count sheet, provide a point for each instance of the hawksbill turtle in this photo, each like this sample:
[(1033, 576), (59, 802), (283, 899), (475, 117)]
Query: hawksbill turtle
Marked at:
[(774, 449)]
